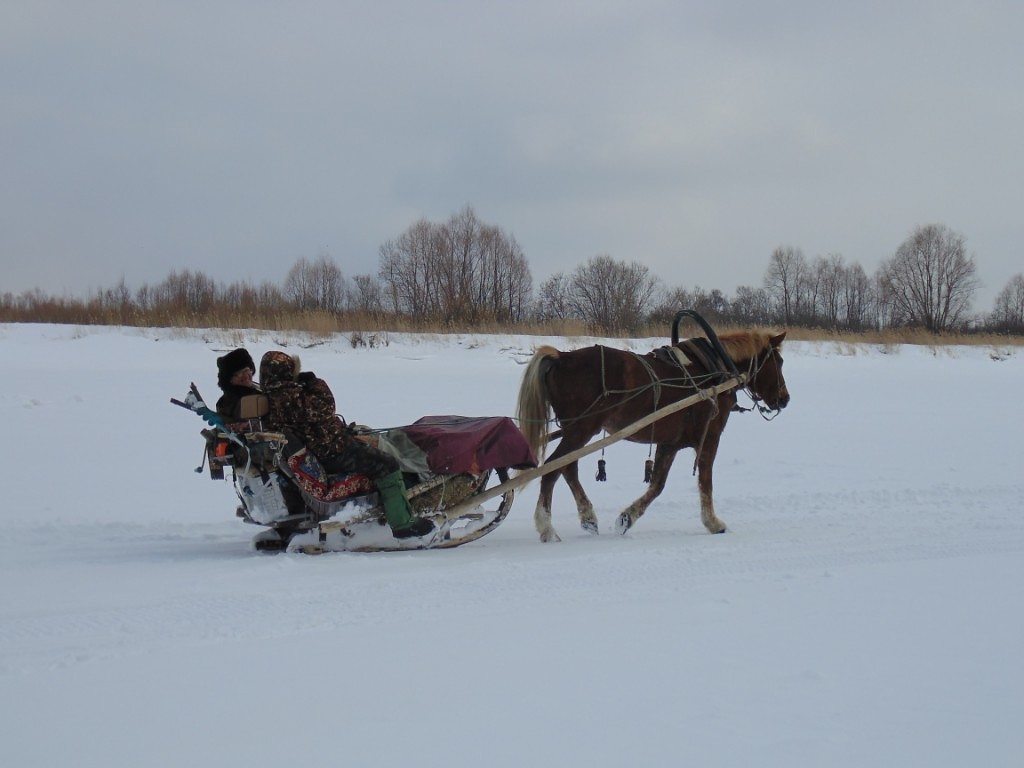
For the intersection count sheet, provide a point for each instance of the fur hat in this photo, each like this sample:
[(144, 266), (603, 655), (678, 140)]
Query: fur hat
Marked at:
[(232, 363)]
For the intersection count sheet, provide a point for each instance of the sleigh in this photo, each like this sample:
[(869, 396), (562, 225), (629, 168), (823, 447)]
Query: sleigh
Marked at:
[(465, 463), (451, 465)]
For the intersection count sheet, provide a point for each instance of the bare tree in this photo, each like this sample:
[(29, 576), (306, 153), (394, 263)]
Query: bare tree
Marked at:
[(785, 280), (366, 296), (713, 304), (553, 299), (859, 298), (269, 296), (317, 285), (1008, 315), (462, 271), (667, 303), (930, 280), (190, 292), (406, 269), (505, 284), (808, 295), (751, 306), (830, 272), (611, 296)]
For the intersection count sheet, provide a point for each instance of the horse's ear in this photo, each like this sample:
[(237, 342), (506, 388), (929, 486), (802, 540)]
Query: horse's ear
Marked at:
[(776, 341)]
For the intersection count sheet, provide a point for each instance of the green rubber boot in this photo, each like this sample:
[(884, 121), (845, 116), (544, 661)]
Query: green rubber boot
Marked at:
[(399, 515)]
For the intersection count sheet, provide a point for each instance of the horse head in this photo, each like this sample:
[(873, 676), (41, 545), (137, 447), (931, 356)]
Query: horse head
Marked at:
[(766, 383)]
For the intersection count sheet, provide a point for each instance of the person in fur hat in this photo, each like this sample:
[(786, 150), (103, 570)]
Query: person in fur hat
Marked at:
[(303, 404), (234, 376)]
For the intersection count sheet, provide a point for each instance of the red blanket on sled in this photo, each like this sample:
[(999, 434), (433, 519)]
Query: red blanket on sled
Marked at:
[(455, 444)]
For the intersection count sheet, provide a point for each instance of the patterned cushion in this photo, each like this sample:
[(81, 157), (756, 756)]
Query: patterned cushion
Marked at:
[(314, 480)]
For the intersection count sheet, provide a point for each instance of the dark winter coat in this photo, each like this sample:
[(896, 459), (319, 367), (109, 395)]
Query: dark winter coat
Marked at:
[(302, 404)]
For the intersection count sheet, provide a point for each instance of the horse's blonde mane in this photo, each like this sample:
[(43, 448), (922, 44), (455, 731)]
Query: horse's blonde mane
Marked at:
[(743, 345)]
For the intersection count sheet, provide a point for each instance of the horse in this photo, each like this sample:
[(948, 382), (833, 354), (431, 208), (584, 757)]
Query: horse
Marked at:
[(601, 388)]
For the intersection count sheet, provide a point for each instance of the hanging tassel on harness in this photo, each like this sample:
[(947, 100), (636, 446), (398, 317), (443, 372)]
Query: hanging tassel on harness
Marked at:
[(649, 464), (601, 475)]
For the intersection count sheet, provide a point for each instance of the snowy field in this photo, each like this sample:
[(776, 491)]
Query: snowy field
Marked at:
[(864, 608)]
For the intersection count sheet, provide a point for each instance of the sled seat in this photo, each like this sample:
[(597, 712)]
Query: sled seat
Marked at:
[(317, 485)]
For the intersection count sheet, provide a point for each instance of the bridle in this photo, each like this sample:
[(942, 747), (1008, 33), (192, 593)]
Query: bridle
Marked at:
[(758, 362)]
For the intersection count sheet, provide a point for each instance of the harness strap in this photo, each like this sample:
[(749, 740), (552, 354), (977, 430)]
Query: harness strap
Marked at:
[(655, 383)]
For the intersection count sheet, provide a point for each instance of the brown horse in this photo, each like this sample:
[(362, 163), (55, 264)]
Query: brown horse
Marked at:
[(603, 388)]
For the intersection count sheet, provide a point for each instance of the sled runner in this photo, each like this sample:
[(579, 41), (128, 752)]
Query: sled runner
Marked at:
[(447, 461)]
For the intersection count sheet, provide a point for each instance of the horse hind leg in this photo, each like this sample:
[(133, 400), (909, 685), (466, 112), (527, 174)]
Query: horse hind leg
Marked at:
[(542, 514), (584, 507)]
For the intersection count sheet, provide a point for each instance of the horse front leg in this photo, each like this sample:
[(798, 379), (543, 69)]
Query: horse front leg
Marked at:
[(663, 458), (584, 507), (705, 464)]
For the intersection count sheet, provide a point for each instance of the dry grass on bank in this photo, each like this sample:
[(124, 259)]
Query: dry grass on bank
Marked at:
[(913, 336), (320, 325)]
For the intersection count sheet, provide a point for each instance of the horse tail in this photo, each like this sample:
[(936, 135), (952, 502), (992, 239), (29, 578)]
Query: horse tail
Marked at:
[(534, 404)]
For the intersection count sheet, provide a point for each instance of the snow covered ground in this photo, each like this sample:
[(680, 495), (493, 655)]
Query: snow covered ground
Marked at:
[(863, 609)]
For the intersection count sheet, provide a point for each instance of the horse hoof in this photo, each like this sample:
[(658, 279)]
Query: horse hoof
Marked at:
[(590, 526), (623, 524), (548, 536)]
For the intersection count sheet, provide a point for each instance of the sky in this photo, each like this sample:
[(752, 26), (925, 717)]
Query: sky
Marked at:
[(234, 138)]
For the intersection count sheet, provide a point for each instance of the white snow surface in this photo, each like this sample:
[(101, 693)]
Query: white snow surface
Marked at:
[(864, 607)]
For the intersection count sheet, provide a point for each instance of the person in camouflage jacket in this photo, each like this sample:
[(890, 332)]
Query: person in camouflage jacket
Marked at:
[(302, 403)]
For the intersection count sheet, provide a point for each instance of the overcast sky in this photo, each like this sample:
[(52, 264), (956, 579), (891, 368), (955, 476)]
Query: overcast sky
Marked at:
[(140, 138)]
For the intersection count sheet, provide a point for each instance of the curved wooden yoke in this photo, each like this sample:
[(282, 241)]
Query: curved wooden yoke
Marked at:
[(708, 331)]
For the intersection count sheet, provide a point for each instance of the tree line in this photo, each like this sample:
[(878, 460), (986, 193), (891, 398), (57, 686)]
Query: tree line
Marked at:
[(464, 274)]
